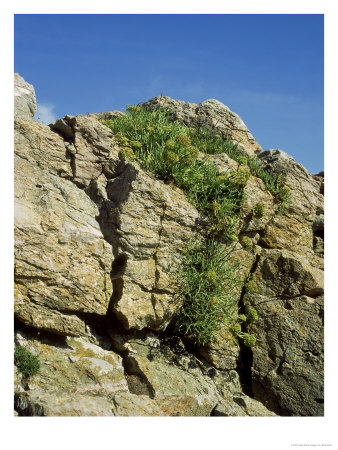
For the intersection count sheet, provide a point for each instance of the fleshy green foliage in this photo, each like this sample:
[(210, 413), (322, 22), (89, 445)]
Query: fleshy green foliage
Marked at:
[(246, 243), (249, 339), (127, 153), (236, 329), (240, 177), (284, 195), (259, 210), (152, 134), (272, 182), (209, 282), (170, 151), (251, 315), (242, 160), (27, 363), (251, 287), (212, 144)]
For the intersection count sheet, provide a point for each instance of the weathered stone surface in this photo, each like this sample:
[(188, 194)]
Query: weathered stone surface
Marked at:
[(62, 262), (105, 115), (76, 378), (24, 98), (90, 146), (287, 368), (295, 229), (210, 114), (150, 223), (242, 406), (97, 245), (132, 405)]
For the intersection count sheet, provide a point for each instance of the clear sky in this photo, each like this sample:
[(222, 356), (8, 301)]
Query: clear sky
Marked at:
[(266, 68)]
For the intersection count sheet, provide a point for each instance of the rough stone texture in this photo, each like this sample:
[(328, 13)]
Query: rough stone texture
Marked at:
[(90, 146), (24, 98), (151, 224), (76, 378), (210, 114), (97, 244), (287, 368), (51, 214), (105, 115)]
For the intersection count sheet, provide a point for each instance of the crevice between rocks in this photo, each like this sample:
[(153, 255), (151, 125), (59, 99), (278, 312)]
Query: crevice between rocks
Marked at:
[(245, 357)]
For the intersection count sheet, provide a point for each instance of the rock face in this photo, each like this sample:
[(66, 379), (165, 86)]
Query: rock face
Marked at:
[(98, 242), (24, 98), (212, 115)]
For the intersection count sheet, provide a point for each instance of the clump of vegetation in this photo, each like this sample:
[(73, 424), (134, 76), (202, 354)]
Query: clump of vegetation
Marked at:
[(176, 154), (27, 363), (246, 243), (284, 195), (127, 153), (251, 315), (209, 281), (170, 151), (236, 327), (259, 210), (251, 287)]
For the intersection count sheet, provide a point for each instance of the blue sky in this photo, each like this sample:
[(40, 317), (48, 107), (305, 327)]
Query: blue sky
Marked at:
[(266, 68)]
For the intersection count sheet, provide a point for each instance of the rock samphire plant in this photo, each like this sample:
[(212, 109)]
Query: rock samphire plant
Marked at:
[(178, 154), (209, 282)]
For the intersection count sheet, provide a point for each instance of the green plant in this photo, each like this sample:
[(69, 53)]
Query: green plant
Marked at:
[(171, 152), (284, 196), (127, 153), (251, 287), (251, 315), (27, 363), (246, 243), (240, 177), (259, 210), (209, 282), (249, 340)]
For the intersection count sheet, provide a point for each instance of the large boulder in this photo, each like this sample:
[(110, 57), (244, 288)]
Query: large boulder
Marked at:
[(301, 228), (210, 114), (24, 98), (62, 261)]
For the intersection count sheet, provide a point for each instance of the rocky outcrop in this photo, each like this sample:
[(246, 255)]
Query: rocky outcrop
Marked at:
[(98, 242), (211, 115), (24, 98)]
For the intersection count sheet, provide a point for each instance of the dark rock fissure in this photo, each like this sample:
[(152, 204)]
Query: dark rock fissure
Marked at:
[(245, 357), (44, 336)]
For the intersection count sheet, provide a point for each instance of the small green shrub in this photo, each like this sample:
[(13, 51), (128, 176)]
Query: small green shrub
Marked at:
[(251, 287), (208, 287), (240, 177), (242, 160), (27, 363), (284, 196), (251, 315), (249, 339), (259, 210), (136, 145), (246, 243), (127, 153), (183, 140)]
